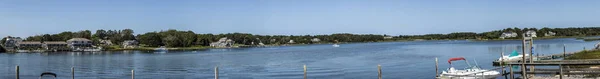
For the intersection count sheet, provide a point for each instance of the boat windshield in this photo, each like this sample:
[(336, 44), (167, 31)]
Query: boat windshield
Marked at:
[(472, 67)]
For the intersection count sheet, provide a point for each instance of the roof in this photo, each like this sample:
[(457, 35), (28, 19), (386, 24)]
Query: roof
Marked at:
[(30, 42), (79, 39), (55, 42)]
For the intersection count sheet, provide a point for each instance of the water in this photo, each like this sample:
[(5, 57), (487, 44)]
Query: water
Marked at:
[(399, 60)]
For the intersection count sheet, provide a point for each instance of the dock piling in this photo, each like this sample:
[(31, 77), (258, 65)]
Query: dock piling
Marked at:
[(511, 72), (305, 71), (523, 60), (379, 71), (531, 55), (436, 67), (216, 72), (564, 50), (17, 71), (132, 74), (72, 72), (561, 71)]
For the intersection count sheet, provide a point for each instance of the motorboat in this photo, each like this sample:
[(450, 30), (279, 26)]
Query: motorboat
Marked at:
[(161, 48), (336, 45), (514, 56), (470, 72)]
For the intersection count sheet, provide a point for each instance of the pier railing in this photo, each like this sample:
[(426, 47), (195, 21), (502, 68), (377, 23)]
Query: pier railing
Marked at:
[(216, 70), (562, 64)]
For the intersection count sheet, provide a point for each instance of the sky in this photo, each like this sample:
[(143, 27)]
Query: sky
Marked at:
[(293, 17)]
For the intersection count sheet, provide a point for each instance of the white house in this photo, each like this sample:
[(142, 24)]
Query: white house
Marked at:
[(79, 43), (223, 42), (531, 33), (12, 43), (130, 44), (508, 35), (550, 33)]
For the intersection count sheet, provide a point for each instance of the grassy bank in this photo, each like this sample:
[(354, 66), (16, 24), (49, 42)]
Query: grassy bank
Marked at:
[(591, 54)]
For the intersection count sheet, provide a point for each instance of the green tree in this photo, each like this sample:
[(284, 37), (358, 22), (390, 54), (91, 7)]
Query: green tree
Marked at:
[(151, 39)]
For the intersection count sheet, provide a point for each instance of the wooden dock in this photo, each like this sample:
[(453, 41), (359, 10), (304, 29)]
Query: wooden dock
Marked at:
[(565, 67), (542, 57)]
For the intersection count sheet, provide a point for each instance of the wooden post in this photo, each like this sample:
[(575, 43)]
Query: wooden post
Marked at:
[(504, 73), (531, 55), (561, 71), (511, 72), (531, 51), (379, 71), (17, 72), (568, 67), (72, 72), (523, 60), (305, 71), (436, 67), (564, 51), (501, 59), (216, 72), (132, 74), (502, 64)]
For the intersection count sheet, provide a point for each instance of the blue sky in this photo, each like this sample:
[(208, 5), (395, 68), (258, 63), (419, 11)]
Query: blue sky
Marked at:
[(293, 17)]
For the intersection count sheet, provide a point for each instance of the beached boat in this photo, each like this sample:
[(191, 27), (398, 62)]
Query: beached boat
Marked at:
[(161, 48), (471, 72)]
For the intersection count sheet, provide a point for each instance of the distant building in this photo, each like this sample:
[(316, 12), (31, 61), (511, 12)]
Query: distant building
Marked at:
[(56, 46), (30, 45), (79, 43), (223, 42), (315, 40), (550, 33), (130, 44), (12, 43), (530, 33), (291, 42), (508, 35), (388, 37), (105, 42)]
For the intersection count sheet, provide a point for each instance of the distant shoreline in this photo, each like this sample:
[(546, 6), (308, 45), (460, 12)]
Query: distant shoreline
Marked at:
[(250, 46)]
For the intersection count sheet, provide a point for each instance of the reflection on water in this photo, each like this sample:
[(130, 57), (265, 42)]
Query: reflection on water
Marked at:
[(357, 60)]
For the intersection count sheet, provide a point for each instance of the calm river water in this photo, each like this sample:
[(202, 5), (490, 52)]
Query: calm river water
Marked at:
[(399, 60)]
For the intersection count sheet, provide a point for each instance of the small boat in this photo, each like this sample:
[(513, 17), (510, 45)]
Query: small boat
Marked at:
[(336, 45), (471, 72), (161, 48), (514, 56)]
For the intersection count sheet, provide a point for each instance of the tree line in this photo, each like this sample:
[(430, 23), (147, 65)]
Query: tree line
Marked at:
[(177, 38), (495, 34)]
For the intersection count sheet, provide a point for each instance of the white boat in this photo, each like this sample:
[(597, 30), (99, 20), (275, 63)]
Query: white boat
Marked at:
[(161, 48), (92, 49), (514, 56), (336, 45), (471, 72)]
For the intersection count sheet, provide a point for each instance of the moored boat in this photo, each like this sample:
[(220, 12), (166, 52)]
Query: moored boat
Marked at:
[(514, 56), (336, 45), (471, 72)]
